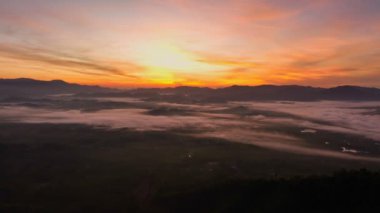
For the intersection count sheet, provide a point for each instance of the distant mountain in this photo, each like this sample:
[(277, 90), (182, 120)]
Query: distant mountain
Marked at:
[(256, 93), (351, 93), (185, 94), (25, 87)]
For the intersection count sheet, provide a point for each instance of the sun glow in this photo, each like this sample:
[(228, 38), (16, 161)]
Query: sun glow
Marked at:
[(168, 56)]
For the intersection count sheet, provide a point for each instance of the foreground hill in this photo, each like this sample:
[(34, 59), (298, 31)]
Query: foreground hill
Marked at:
[(77, 168)]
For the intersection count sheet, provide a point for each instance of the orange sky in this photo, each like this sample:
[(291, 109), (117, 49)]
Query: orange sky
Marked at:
[(139, 43)]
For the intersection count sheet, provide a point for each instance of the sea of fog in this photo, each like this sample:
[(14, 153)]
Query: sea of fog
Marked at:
[(264, 124)]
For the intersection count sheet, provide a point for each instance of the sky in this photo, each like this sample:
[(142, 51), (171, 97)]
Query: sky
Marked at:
[(216, 43)]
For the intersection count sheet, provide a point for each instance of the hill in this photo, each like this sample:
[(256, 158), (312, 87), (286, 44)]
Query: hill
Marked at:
[(255, 93), (184, 94), (24, 87)]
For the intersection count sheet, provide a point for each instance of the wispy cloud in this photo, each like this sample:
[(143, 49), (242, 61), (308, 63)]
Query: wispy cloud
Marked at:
[(72, 63)]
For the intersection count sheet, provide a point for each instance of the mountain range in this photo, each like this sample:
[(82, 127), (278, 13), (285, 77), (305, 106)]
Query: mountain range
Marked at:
[(184, 94), (25, 87)]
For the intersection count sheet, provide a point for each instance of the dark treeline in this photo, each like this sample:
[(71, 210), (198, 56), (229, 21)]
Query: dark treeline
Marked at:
[(78, 168)]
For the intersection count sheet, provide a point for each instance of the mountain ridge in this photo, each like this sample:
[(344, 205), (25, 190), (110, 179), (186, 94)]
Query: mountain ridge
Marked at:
[(267, 92), (25, 87)]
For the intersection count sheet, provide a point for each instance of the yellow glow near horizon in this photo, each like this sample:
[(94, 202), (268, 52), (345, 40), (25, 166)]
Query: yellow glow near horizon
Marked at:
[(159, 76), (163, 55)]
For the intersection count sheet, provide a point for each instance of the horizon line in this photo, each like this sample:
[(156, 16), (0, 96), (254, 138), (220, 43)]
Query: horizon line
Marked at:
[(192, 86)]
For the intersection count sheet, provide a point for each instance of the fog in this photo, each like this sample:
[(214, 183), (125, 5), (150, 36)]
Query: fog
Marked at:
[(349, 117), (263, 124)]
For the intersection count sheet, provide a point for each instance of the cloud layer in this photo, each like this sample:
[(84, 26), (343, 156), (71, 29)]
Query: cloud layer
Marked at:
[(326, 129)]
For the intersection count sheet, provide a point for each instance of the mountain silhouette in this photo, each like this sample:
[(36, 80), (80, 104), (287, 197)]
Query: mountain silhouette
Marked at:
[(257, 93), (25, 87), (187, 94)]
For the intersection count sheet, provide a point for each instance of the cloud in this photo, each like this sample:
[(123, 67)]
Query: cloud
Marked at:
[(239, 10), (225, 60), (81, 65), (345, 119), (280, 142)]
